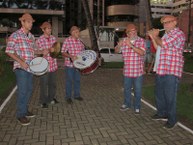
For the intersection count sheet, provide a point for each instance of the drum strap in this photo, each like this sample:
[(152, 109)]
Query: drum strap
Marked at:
[(85, 47), (69, 57)]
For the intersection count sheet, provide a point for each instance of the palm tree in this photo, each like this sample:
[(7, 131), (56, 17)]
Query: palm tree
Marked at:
[(90, 26), (149, 16)]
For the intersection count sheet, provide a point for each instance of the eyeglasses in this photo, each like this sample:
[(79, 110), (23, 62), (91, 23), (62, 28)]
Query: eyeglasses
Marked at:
[(167, 22)]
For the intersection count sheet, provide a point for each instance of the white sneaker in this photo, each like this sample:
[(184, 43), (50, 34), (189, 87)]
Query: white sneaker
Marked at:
[(124, 107), (137, 111)]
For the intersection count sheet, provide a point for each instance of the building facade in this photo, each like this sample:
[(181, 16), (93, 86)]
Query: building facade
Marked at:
[(120, 12), (186, 24), (41, 10), (183, 9), (160, 8)]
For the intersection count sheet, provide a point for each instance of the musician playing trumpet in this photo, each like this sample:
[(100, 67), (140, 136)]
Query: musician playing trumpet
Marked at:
[(133, 50), (169, 68)]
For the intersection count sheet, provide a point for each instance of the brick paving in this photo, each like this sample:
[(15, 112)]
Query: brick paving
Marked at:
[(95, 121)]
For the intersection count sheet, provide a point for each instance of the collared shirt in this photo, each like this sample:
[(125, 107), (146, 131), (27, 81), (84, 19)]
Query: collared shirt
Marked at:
[(21, 44), (171, 56), (133, 62), (73, 47), (44, 43)]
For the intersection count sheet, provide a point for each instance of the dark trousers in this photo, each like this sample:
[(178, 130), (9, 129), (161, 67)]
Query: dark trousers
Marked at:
[(47, 87), (166, 93), (24, 91)]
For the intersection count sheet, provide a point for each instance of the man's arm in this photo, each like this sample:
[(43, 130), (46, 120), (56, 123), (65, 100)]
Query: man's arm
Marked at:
[(158, 41), (20, 60), (154, 35), (139, 51), (66, 54)]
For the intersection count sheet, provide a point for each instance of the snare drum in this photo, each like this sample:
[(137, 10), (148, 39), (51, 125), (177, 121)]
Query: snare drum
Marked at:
[(87, 61), (38, 66)]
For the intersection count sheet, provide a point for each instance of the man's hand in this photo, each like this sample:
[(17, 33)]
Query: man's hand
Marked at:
[(153, 33), (129, 42), (45, 52), (24, 65), (51, 49), (74, 58)]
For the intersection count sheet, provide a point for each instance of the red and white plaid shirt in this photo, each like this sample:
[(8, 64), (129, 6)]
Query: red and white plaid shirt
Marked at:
[(171, 56), (73, 47), (133, 62), (44, 43), (21, 44)]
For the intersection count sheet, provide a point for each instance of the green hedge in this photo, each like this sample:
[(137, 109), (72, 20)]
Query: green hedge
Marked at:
[(188, 65), (7, 77)]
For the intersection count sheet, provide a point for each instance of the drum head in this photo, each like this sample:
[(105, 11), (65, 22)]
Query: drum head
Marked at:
[(85, 59), (38, 65)]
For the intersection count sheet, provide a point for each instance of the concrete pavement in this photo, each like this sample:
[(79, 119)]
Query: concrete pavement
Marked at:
[(95, 121)]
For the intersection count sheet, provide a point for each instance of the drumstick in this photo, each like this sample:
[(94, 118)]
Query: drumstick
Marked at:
[(37, 63)]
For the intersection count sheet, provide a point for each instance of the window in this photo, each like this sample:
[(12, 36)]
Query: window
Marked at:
[(104, 50), (112, 51)]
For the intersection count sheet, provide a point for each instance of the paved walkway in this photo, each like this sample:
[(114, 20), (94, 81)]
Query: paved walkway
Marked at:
[(95, 121)]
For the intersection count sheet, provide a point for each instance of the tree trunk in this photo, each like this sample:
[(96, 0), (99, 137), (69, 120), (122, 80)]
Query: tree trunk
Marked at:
[(149, 16), (92, 33)]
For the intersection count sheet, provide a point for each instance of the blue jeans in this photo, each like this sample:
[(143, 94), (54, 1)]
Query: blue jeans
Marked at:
[(166, 92), (47, 87), (136, 83), (24, 82), (72, 79)]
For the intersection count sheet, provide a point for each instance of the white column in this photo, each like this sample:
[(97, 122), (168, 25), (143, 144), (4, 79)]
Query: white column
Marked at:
[(55, 26)]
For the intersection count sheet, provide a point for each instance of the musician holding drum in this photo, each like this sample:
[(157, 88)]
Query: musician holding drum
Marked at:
[(72, 46), (20, 49), (133, 50), (169, 69), (47, 80)]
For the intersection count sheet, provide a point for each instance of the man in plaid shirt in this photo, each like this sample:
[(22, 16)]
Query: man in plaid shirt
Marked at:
[(48, 80), (133, 50), (20, 48), (169, 69), (72, 46)]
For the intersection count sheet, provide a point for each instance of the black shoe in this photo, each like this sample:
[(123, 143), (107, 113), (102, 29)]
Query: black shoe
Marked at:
[(24, 121), (169, 126), (54, 101), (157, 117), (29, 115), (79, 99), (69, 101), (44, 105)]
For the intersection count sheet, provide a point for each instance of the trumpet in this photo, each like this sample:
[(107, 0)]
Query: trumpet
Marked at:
[(161, 30)]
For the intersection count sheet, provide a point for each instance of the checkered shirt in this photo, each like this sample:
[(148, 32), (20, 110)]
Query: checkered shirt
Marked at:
[(44, 43), (171, 56), (133, 62), (21, 44), (73, 47)]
